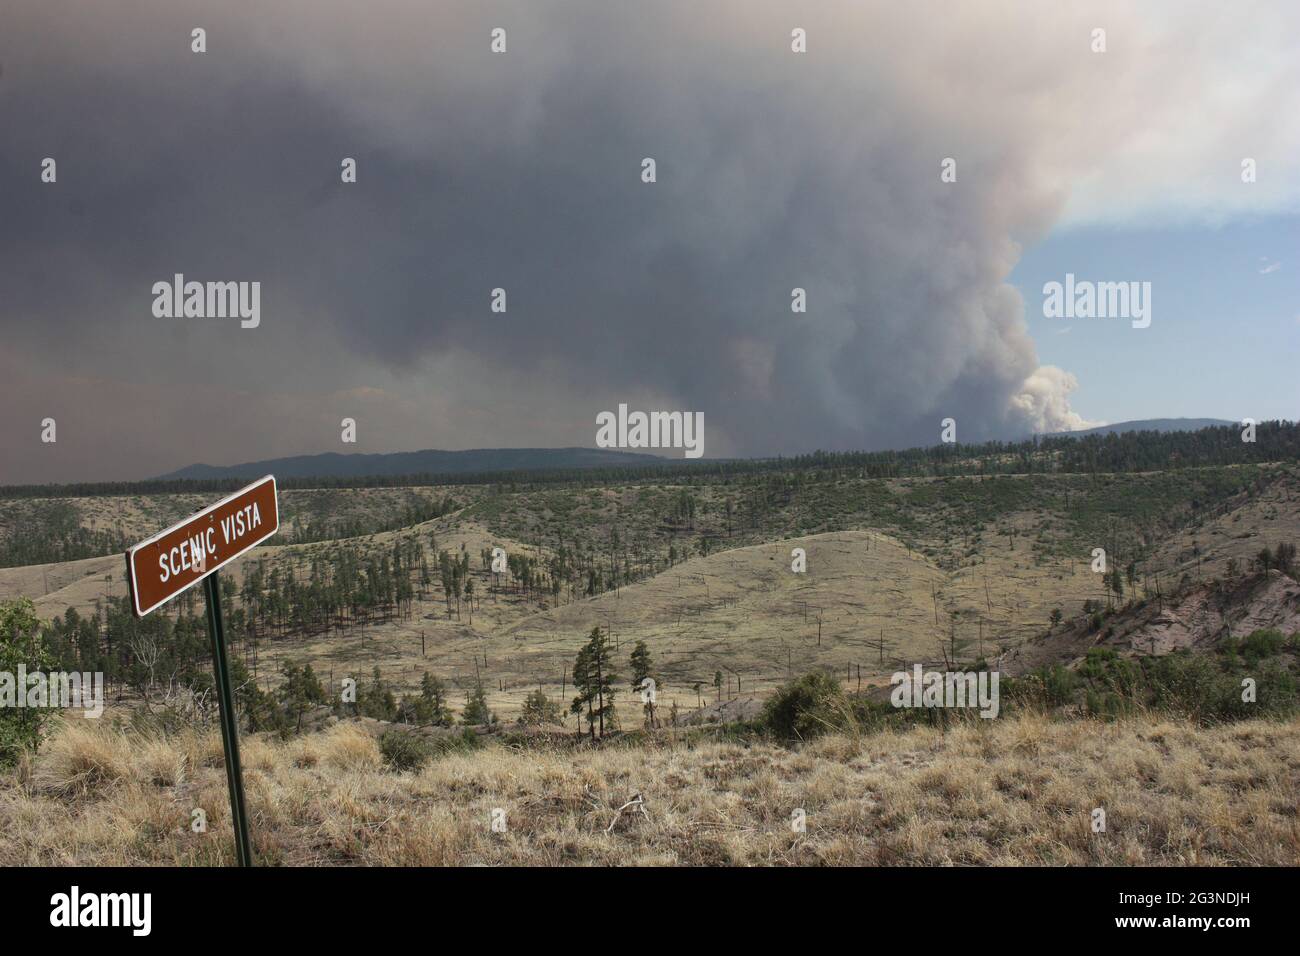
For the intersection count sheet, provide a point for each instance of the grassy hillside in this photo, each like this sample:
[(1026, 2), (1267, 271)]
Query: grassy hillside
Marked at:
[(701, 572)]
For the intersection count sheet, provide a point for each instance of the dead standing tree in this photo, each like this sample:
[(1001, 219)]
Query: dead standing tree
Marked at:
[(147, 651), (880, 644)]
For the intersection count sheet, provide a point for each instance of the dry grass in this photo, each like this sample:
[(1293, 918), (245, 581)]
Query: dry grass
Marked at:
[(1014, 791)]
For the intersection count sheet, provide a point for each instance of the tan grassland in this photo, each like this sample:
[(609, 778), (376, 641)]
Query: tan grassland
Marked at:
[(1010, 791)]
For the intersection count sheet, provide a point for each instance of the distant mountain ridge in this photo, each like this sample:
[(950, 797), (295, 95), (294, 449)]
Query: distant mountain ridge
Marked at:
[(485, 460), (1146, 425), (427, 462)]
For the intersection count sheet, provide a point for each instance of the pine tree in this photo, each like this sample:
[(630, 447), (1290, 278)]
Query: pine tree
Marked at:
[(642, 671), (594, 679), (376, 698), (476, 707), (431, 707), (300, 690), (540, 709), (582, 684)]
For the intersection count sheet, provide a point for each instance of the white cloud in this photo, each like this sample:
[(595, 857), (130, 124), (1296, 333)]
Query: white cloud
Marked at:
[(1186, 92)]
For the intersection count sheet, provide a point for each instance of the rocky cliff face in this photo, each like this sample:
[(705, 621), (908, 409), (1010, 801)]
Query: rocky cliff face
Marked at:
[(1196, 618)]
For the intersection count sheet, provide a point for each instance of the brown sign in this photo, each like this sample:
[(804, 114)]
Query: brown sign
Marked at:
[(169, 562)]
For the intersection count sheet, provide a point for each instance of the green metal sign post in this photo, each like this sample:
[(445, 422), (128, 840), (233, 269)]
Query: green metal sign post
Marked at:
[(229, 720)]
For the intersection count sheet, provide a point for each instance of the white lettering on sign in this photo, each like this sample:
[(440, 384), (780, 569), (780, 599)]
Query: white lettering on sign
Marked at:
[(190, 553), (234, 526)]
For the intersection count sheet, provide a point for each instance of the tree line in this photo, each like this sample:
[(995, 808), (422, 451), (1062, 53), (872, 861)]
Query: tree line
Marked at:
[(1086, 454)]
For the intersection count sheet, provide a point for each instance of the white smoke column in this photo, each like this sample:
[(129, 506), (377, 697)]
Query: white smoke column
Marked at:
[(1043, 403)]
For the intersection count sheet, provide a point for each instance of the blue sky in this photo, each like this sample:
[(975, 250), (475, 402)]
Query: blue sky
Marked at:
[(1225, 332)]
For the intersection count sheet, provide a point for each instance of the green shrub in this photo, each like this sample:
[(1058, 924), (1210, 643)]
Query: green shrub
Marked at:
[(21, 728), (1203, 688), (805, 707), (403, 751), (1262, 644), (1059, 685), (1196, 687)]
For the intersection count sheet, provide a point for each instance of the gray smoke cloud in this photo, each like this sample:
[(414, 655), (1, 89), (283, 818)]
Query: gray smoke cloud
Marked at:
[(522, 171)]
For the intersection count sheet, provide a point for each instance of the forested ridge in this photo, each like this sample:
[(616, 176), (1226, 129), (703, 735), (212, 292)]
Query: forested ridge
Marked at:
[(1089, 454)]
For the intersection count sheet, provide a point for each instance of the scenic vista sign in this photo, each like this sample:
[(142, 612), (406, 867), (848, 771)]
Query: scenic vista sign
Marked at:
[(171, 561), (192, 551)]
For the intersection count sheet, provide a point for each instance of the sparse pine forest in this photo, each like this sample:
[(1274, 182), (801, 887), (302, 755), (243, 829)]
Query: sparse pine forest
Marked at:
[(399, 629)]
